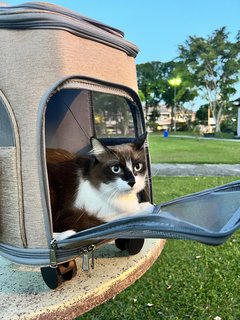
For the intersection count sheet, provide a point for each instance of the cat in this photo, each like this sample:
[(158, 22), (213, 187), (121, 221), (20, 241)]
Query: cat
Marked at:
[(86, 191)]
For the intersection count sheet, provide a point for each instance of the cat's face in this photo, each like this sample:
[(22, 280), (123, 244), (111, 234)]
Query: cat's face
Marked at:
[(119, 169)]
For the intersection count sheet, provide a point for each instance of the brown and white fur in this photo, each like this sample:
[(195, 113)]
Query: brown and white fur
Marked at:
[(88, 191)]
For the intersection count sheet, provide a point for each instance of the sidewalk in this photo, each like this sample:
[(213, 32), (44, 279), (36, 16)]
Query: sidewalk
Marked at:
[(237, 139), (166, 169)]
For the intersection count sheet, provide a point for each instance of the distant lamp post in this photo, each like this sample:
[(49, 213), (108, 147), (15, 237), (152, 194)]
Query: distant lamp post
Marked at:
[(175, 82)]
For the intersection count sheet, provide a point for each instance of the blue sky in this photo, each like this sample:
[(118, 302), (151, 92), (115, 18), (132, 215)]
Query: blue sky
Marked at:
[(157, 27)]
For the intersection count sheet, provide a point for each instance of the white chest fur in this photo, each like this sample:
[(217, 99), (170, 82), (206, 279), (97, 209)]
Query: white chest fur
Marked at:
[(106, 203)]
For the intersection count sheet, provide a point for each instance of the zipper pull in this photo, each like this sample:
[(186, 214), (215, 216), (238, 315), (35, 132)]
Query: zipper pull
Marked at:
[(85, 258), (53, 255), (85, 261), (93, 258)]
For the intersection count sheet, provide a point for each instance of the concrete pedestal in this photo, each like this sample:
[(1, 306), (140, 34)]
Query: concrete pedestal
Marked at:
[(24, 295)]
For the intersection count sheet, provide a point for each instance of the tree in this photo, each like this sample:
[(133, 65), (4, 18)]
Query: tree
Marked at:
[(153, 83), (202, 114), (214, 64), (150, 84), (229, 123), (186, 92)]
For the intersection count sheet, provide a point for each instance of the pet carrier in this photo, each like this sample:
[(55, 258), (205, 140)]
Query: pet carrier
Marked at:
[(63, 79)]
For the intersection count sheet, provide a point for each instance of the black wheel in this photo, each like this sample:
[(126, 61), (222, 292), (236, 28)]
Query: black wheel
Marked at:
[(133, 246), (54, 277), (121, 244)]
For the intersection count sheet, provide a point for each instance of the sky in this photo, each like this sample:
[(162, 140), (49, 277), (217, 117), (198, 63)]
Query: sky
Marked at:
[(157, 27)]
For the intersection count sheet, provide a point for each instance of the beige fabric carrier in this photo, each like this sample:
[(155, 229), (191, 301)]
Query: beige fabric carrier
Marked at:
[(59, 72)]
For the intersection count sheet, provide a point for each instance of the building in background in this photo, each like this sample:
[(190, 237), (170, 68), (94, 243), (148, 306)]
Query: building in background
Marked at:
[(160, 118)]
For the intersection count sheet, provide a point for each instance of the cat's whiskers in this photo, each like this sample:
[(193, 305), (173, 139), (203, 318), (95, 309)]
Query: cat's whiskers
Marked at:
[(147, 178), (115, 193), (110, 194)]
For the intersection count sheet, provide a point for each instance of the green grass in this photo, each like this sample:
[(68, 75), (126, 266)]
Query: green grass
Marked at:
[(189, 280), (219, 135), (184, 150)]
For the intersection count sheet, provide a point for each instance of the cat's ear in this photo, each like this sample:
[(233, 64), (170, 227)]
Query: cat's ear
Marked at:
[(139, 141), (98, 148)]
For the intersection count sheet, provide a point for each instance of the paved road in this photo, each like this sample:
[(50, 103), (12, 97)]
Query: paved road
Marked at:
[(165, 169)]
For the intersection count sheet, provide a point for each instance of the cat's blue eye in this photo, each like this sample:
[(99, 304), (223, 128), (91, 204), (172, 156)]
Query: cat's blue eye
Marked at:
[(138, 166), (116, 169)]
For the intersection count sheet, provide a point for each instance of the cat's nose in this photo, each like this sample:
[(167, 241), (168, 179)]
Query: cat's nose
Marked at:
[(131, 183), (129, 178)]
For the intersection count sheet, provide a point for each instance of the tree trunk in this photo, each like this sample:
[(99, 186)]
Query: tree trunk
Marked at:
[(218, 116)]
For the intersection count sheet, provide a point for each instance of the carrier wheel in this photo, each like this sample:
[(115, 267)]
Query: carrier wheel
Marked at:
[(54, 277), (133, 246)]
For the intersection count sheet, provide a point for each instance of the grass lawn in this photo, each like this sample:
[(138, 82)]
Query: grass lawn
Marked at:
[(189, 280), (184, 150)]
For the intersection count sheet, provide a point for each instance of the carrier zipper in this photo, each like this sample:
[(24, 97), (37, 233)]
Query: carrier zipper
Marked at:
[(86, 252)]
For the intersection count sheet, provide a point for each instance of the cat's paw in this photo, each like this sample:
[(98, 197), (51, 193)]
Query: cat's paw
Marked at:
[(63, 235), (146, 207)]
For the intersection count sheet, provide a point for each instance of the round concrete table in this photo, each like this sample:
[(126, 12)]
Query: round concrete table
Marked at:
[(24, 295)]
